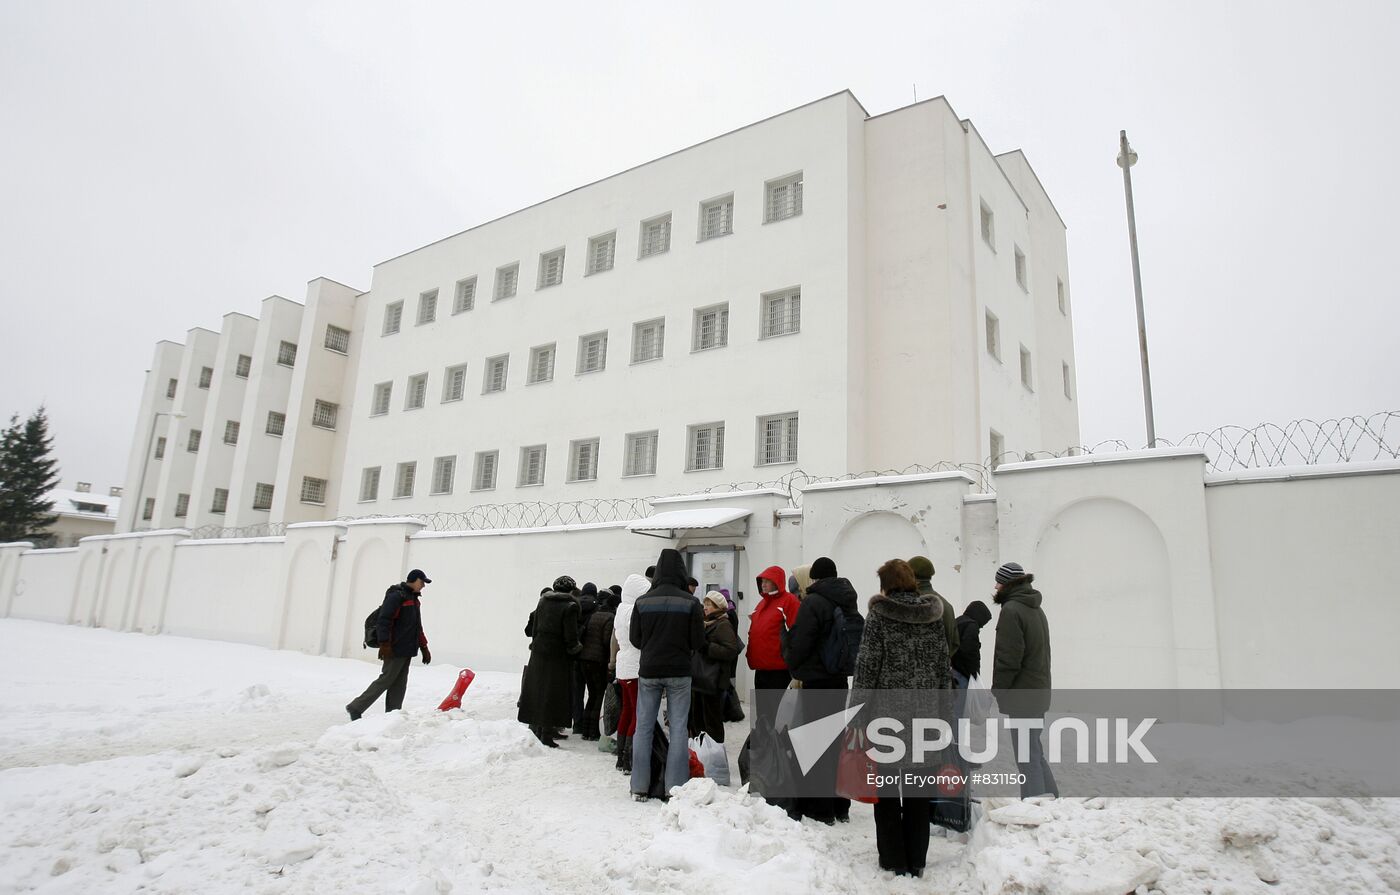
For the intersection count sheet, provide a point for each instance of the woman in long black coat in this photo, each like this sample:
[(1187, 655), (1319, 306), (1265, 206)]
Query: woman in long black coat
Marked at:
[(721, 649), (554, 641)]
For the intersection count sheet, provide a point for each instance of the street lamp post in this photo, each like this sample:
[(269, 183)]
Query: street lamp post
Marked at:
[(1126, 159), (146, 459)]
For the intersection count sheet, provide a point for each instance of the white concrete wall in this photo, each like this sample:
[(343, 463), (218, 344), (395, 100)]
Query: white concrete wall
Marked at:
[(214, 467), (44, 589), (226, 590)]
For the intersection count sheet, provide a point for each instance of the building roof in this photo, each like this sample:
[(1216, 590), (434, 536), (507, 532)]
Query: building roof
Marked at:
[(89, 505)]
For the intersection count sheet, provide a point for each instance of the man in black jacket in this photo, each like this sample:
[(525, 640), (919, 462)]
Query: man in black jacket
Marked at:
[(967, 661), (400, 639), (802, 651), (667, 626)]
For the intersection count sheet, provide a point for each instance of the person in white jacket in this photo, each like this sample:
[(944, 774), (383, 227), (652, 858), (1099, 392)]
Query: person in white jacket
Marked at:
[(626, 665)]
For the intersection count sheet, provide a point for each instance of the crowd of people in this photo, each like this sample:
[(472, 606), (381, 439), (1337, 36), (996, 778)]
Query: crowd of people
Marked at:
[(653, 638)]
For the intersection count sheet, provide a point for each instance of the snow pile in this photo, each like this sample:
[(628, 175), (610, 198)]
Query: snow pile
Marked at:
[(157, 764)]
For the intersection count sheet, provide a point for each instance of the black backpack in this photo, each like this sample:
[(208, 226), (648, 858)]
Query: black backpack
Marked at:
[(372, 625), (842, 642)]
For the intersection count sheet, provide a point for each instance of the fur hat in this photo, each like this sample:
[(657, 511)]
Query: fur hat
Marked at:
[(564, 584)]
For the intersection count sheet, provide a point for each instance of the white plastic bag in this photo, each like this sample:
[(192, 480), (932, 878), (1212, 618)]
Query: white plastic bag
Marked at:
[(713, 757)]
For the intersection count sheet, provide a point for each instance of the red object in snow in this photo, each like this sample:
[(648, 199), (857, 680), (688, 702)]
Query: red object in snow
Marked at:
[(696, 768), (454, 699)]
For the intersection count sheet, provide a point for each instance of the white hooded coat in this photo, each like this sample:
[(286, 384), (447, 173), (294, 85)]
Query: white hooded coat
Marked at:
[(629, 658)]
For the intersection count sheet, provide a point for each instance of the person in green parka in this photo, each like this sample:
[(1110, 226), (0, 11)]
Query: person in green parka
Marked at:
[(1021, 668), (923, 573)]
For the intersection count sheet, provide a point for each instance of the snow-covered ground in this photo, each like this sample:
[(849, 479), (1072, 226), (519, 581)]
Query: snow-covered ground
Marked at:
[(161, 764)]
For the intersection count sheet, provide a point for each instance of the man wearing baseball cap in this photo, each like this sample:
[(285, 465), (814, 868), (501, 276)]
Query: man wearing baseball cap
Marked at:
[(400, 639)]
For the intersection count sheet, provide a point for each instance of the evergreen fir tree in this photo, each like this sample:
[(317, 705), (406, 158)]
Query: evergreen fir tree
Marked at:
[(28, 472)]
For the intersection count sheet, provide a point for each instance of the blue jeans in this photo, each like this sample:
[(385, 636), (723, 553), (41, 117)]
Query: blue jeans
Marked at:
[(649, 690)]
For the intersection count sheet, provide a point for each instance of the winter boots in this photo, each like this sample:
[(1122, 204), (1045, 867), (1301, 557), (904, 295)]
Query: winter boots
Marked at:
[(624, 754)]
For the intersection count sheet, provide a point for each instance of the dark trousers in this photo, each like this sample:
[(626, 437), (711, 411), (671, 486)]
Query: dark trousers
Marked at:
[(595, 679), (834, 807), (392, 682), (901, 833), (772, 680), (576, 695), (707, 715)]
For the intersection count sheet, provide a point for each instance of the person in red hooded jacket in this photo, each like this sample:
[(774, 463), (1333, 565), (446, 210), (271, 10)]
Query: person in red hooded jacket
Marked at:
[(776, 608)]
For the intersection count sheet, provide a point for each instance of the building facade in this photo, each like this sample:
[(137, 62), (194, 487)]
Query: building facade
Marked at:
[(824, 290)]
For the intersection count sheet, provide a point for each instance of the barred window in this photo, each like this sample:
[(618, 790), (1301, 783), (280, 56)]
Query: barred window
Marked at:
[(1060, 295), (220, 502), (1026, 369), (206, 376), (404, 479), (641, 454), (541, 364), (454, 383), (782, 312), (711, 327), (705, 447), (465, 298), (1064, 371), (262, 496), (337, 339), (170, 388), (287, 354), (777, 439), (583, 460), (195, 437), (444, 471), (324, 414), (313, 490), (551, 269), (601, 252), (379, 405), (648, 340), (160, 448), (656, 236), (149, 509), (592, 352), (993, 335), (243, 367), (507, 280), (276, 422), (393, 317), (484, 479), (783, 198), (988, 225), (1021, 269), (427, 307), (496, 369), (369, 484), (417, 392), (717, 218), (531, 466), (182, 506), (231, 428)]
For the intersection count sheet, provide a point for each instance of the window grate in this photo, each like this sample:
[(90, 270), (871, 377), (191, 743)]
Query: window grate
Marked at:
[(541, 364), (592, 353), (648, 340), (243, 367), (779, 439), (287, 354), (182, 506), (324, 414), (454, 383), (988, 226), (337, 339), (531, 466), (784, 199), (417, 392), (641, 454), (1021, 269), (160, 448), (170, 388), (393, 317), (262, 496), (149, 509), (195, 437), (427, 307), (1026, 369), (220, 502), (583, 460), (656, 236), (379, 405), (993, 335), (485, 477), (551, 269), (711, 327), (313, 490), (782, 313), (444, 471), (706, 447), (404, 479), (496, 369), (369, 484), (231, 428), (276, 422), (601, 253), (507, 280), (206, 377), (465, 298), (717, 218)]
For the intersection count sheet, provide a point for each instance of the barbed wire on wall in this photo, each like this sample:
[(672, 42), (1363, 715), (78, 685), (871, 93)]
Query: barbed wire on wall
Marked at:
[(1301, 442)]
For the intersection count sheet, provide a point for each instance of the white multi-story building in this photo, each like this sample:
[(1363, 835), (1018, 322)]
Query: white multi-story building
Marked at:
[(824, 289)]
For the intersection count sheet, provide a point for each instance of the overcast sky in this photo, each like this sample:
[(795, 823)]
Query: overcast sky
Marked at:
[(164, 163)]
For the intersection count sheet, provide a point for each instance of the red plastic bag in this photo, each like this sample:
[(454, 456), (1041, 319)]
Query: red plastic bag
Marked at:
[(696, 768), (454, 699), (855, 769)]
